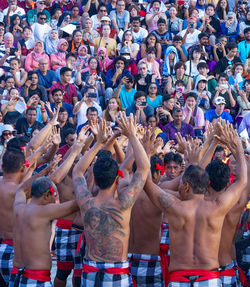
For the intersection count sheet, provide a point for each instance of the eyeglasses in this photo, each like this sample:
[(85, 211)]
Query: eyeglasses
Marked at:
[(103, 10), (155, 88), (1, 29), (142, 69), (7, 134)]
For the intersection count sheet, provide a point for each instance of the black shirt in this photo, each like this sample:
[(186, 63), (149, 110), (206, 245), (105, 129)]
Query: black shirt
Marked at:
[(224, 65), (68, 125), (22, 127)]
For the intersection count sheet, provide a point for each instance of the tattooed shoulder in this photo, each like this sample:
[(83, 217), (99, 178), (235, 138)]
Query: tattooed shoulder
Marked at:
[(128, 196), (81, 188), (166, 200)]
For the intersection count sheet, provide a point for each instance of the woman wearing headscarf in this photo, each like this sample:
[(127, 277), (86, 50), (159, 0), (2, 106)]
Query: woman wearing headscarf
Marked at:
[(32, 59), (104, 61), (58, 59), (51, 42), (171, 58), (231, 27), (83, 58)]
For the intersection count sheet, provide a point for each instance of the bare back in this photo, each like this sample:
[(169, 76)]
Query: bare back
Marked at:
[(145, 224), (195, 234), (66, 193), (7, 195), (35, 238)]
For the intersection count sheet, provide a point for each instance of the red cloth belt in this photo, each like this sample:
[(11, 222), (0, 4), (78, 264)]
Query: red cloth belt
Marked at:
[(228, 272), (242, 276), (78, 248), (114, 270), (164, 262), (65, 265), (39, 275), (77, 272), (179, 276), (64, 224), (14, 270), (8, 241)]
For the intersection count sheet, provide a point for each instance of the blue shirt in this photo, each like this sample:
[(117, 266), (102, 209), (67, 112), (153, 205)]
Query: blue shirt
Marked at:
[(243, 49), (109, 76), (210, 115), (46, 80), (66, 106), (156, 102), (126, 98)]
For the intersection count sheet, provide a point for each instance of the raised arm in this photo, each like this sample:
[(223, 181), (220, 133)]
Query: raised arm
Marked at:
[(80, 185), (228, 199), (128, 194)]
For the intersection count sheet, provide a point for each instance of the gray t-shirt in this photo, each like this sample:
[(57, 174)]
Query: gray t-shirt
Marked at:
[(120, 19)]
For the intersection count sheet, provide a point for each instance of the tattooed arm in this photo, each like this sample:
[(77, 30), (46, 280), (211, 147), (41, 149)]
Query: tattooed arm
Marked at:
[(128, 195), (160, 198)]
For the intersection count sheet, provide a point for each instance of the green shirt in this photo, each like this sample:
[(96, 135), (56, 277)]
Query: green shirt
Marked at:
[(32, 15)]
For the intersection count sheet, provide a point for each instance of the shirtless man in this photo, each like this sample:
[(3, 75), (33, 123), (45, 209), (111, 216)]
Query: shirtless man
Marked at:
[(106, 216), (32, 231), (145, 236), (198, 221), (13, 172), (219, 175), (65, 230)]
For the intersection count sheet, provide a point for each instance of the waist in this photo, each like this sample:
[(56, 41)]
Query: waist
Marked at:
[(64, 224), (144, 257), (116, 268), (8, 241), (39, 275), (228, 272), (202, 275)]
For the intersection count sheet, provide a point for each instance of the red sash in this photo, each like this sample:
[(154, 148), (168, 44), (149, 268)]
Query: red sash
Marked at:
[(164, 262), (114, 271), (81, 238), (39, 275), (64, 224), (179, 276), (8, 241), (77, 272), (228, 272), (242, 276), (14, 270)]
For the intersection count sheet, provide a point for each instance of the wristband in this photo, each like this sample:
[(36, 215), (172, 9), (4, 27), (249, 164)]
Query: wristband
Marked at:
[(28, 106)]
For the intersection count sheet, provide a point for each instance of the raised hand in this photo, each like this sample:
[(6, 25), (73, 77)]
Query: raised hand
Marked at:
[(54, 121), (126, 125), (83, 135), (182, 143), (56, 137), (148, 141), (192, 154), (103, 134)]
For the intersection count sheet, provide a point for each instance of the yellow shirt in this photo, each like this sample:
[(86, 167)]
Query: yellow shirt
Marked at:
[(110, 45)]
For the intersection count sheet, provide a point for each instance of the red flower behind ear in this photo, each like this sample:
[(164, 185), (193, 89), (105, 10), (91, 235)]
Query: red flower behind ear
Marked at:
[(26, 163), (21, 148), (209, 182), (160, 167), (120, 173), (51, 190)]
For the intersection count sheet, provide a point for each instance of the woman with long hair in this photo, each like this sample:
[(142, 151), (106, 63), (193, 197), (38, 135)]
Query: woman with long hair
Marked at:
[(151, 41), (222, 8), (32, 59), (113, 108), (128, 41), (16, 28)]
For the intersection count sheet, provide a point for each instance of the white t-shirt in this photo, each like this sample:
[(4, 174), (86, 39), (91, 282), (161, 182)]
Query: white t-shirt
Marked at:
[(95, 22), (19, 11), (194, 71), (191, 39), (139, 36), (82, 113), (134, 47), (40, 31)]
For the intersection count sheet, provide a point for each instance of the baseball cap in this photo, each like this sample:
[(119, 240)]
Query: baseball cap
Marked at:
[(220, 100), (105, 18)]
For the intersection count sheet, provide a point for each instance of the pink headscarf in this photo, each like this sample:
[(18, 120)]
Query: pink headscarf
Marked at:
[(37, 56), (108, 61), (82, 47), (60, 54)]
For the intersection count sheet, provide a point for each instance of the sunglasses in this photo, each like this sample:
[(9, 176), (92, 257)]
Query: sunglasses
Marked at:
[(1, 29), (7, 134), (153, 88), (41, 18)]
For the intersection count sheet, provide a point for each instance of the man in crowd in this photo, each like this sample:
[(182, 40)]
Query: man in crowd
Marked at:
[(120, 17), (32, 14), (41, 29), (138, 32), (46, 77), (190, 35)]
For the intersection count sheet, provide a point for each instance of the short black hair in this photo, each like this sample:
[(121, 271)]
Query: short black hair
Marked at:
[(130, 78), (56, 90), (69, 131), (13, 160), (231, 45), (62, 110), (102, 153), (197, 178), (171, 156), (203, 34), (161, 21), (177, 38), (100, 6), (40, 186), (71, 55), (209, 5), (202, 65), (139, 94), (219, 174), (105, 172), (153, 161), (30, 109), (120, 58), (41, 14), (91, 109), (166, 98), (64, 70), (192, 95), (246, 30)]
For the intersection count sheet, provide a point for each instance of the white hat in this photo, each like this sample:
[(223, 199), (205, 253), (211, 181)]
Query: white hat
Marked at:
[(220, 100), (6, 128), (105, 18)]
